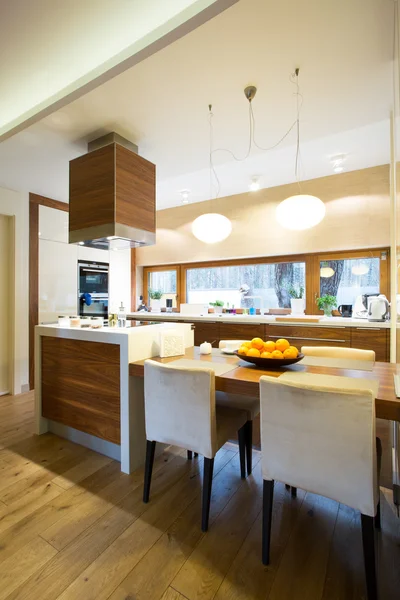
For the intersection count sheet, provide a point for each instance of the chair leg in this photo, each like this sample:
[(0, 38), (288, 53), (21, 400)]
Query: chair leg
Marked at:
[(368, 538), (189, 455), (242, 450), (150, 450), (268, 498), (196, 454), (207, 484), (293, 491), (377, 518), (249, 446)]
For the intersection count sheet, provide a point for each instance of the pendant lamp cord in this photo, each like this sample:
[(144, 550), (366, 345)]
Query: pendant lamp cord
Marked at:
[(213, 172), (294, 78)]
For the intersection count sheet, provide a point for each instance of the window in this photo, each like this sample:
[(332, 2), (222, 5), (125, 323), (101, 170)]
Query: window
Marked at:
[(162, 280), (348, 278), (267, 285)]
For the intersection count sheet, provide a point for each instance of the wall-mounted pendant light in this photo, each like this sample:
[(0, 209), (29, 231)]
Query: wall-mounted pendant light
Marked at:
[(211, 228), (361, 269), (326, 272), (300, 211)]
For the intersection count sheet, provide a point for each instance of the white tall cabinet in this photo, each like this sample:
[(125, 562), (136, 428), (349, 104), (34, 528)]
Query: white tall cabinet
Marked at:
[(58, 268)]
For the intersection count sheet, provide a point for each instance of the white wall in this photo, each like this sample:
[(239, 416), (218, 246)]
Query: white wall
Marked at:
[(16, 205), (58, 268)]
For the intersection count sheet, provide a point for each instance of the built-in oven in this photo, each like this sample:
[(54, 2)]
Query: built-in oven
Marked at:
[(93, 289)]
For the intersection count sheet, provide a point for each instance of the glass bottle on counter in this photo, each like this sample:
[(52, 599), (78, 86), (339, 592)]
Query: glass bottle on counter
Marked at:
[(121, 316)]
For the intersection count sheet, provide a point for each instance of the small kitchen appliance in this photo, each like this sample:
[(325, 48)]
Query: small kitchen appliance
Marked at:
[(378, 308), (360, 310), (346, 310)]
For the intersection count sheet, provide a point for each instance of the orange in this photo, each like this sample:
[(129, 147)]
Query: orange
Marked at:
[(282, 345), (257, 343), (266, 354), (276, 354), (269, 346), (243, 350), (247, 344), (253, 352), (290, 352)]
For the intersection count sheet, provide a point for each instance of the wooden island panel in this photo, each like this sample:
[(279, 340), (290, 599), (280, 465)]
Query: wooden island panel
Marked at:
[(81, 386)]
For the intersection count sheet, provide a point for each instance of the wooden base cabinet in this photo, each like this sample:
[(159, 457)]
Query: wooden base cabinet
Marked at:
[(372, 338)]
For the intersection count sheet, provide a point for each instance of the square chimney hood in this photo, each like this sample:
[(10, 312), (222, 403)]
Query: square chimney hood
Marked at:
[(112, 200)]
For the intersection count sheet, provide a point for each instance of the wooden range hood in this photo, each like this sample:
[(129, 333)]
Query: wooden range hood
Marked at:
[(112, 200)]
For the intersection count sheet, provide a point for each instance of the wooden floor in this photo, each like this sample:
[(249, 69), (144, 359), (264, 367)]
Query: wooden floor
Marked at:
[(73, 527)]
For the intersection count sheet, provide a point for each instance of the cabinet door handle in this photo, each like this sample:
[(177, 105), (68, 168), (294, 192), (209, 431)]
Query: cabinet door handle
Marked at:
[(368, 328), (292, 337)]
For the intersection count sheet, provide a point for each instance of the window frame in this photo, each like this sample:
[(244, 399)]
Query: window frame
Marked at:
[(148, 270), (311, 260)]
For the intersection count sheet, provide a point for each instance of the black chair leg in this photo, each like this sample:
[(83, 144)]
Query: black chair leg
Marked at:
[(242, 450), (196, 454), (377, 518), (287, 486), (268, 499), (150, 450), (368, 538), (293, 491), (189, 455), (207, 484), (249, 446)]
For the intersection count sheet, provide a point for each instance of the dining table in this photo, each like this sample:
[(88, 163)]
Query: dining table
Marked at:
[(244, 379)]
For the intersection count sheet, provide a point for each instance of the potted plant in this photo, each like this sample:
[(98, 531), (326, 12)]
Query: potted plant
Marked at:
[(297, 300), (217, 305), (155, 299), (327, 303)]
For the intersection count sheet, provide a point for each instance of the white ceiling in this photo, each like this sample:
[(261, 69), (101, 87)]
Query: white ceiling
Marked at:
[(344, 51), (54, 49)]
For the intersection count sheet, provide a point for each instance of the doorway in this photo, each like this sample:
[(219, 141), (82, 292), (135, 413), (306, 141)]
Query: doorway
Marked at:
[(6, 296)]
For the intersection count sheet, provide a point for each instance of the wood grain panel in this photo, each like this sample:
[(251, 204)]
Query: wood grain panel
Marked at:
[(33, 284), (81, 386), (135, 190), (304, 332), (44, 201), (206, 332), (92, 189), (244, 331), (371, 339)]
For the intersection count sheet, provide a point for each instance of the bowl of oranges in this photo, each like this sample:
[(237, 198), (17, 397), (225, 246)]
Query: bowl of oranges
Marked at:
[(269, 354)]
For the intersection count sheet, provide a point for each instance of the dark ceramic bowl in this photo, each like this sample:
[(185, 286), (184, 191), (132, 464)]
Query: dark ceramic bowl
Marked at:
[(270, 363)]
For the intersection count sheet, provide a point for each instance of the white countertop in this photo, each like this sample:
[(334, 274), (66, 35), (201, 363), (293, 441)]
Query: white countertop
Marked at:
[(258, 319)]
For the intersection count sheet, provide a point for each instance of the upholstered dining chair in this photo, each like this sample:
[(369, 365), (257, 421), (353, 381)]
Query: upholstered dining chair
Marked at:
[(336, 352), (180, 409), (250, 405), (322, 439)]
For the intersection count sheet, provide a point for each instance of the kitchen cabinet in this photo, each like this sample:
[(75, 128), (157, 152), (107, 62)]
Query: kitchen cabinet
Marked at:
[(241, 331), (206, 332), (299, 335), (371, 339)]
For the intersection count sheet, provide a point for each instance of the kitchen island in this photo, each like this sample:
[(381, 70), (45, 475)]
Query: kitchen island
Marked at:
[(83, 390)]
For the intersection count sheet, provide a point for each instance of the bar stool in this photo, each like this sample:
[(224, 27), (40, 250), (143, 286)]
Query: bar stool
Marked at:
[(322, 439), (180, 410)]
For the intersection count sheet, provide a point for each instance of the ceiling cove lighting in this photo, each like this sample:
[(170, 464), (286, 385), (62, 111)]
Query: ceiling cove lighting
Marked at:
[(301, 211), (211, 228)]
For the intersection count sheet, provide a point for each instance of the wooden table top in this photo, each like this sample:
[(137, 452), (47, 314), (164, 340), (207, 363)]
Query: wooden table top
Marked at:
[(244, 378)]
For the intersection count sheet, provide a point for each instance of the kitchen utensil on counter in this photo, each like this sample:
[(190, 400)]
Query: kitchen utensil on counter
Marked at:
[(121, 316), (346, 310), (269, 363), (378, 308)]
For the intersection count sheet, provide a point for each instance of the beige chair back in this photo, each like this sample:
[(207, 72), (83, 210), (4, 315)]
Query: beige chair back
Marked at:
[(320, 439), (180, 407), (336, 352)]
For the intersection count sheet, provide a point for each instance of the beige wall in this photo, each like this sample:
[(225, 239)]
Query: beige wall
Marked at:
[(357, 216)]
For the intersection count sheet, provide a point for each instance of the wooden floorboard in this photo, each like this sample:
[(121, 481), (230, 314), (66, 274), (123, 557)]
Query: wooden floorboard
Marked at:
[(72, 526)]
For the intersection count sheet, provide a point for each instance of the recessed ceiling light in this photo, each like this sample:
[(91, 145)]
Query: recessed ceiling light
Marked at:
[(185, 196), (337, 162), (254, 185), (81, 243), (338, 169)]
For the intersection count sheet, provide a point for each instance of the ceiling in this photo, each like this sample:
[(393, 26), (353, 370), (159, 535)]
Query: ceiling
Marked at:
[(58, 50), (344, 51)]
